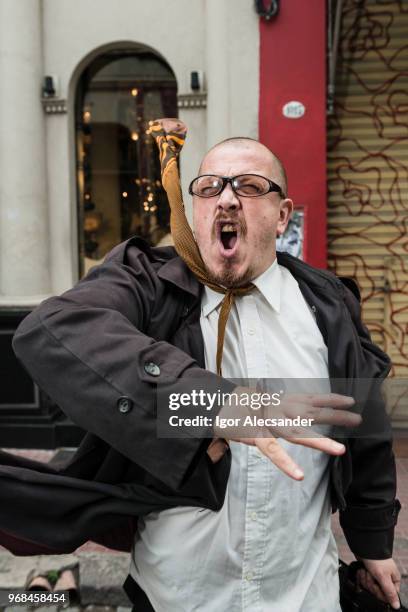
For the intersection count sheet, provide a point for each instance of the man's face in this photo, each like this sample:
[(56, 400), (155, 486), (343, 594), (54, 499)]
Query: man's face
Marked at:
[(237, 257)]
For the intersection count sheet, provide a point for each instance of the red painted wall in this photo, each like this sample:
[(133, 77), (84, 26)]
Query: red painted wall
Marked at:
[(293, 67)]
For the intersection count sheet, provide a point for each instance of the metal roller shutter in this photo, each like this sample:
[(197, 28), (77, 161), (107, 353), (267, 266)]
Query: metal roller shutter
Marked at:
[(368, 175)]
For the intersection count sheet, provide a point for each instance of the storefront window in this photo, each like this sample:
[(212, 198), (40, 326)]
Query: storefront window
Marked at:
[(118, 170)]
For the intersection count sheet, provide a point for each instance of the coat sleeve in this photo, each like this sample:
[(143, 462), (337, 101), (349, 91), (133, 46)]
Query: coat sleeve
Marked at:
[(371, 511), (87, 350)]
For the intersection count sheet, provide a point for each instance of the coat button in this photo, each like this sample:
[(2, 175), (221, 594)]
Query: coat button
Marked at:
[(152, 369), (124, 404)]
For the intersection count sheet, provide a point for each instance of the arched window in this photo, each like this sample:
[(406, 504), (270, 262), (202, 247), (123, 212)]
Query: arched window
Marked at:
[(118, 170)]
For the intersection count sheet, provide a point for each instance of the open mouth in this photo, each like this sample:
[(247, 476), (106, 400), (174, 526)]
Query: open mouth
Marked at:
[(228, 235)]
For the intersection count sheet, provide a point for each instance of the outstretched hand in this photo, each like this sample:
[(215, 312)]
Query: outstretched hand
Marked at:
[(328, 408)]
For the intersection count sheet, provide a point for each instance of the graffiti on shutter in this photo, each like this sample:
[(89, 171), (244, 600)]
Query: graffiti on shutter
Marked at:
[(368, 171)]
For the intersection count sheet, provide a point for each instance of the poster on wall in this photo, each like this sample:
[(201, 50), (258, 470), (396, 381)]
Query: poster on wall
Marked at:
[(292, 240)]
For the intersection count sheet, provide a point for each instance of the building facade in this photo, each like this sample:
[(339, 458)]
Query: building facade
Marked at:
[(81, 80)]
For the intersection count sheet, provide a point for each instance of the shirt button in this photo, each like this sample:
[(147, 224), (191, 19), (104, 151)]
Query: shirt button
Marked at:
[(254, 516), (248, 577), (124, 404), (152, 368), (251, 331)]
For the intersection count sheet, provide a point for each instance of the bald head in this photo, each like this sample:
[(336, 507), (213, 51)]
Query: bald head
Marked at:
[(248, 247), (244, 142)]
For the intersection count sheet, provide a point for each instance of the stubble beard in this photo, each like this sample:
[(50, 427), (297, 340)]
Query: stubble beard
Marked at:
[(229, 278)]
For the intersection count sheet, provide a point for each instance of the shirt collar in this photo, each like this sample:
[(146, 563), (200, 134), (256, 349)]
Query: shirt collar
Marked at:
[(210, 300), (268, 284)]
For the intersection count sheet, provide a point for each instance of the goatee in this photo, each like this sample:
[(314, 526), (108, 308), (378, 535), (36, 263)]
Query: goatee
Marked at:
[(229, 279)]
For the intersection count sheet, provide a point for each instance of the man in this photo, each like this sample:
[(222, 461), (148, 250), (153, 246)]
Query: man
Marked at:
[(138, 320)]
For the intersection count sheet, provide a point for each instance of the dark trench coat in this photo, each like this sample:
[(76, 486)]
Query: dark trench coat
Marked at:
[(93, 348)]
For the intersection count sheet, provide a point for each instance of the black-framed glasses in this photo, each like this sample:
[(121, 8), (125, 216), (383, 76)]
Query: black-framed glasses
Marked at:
[(247, 185)]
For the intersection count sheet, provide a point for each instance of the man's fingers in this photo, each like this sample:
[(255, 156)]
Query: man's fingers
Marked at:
[(385, 575), (331, 416), (365, 580), (327, 445), (331, 400), (382, 584), (271, 448), (388, 588), (325, 416), (396, 578), (397, 583), (310, 438), (328, 409)]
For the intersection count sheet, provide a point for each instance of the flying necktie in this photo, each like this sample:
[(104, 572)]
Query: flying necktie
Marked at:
[(170, 135)]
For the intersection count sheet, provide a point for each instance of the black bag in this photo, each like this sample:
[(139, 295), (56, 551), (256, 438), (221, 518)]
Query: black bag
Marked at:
[(362, 600)]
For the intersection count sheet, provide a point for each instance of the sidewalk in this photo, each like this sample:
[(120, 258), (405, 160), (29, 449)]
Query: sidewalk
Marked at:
[(99, 575), (101, 572)]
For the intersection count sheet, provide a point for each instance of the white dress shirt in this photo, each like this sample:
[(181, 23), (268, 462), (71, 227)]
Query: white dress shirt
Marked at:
[(270, 548)]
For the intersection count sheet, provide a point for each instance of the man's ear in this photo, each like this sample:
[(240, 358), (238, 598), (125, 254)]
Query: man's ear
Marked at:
[(285, 213)]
